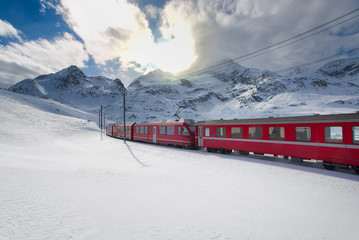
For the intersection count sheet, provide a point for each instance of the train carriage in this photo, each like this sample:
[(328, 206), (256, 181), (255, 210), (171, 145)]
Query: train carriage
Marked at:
[(169, 132), (109, 129), (333, 139), (117, 130)]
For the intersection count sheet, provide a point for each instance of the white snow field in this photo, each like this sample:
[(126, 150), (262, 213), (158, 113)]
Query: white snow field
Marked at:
[(58, 180)]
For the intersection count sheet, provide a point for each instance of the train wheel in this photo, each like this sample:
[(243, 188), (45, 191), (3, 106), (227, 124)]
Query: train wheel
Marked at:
[(225, 151), (211, 150), (328, 165), (356, 169), (296, 160), (243, 153)]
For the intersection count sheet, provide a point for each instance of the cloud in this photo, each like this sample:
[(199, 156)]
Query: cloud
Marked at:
[(110, 29), (7, 30), (230, 29), (151, 11), (28, 59), (118, 29), (194, 33)]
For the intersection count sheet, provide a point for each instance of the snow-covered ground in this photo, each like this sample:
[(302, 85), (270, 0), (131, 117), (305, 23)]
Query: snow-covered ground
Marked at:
[(59, 180)]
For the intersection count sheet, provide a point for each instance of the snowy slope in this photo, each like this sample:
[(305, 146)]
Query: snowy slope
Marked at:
[(58, 180)]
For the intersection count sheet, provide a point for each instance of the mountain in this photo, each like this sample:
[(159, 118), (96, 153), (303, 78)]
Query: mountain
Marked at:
[(230, 91), (233, 91), (72, 87)]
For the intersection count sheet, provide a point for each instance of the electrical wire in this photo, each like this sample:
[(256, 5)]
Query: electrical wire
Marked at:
[(319, 60), (275, 46)]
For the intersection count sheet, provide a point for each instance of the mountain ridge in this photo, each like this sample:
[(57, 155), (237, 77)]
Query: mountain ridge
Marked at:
[(231, 91)]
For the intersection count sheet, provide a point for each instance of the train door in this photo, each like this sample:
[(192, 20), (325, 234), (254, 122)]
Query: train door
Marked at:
[(154, 134), (200, 136)]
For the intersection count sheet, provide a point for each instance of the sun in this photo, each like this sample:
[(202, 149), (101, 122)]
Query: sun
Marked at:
[(172, 54), (175, 55)]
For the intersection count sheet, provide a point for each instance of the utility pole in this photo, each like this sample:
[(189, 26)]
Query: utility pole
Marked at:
[(104, 122), (101, 121), (124, 116), (99, 118)]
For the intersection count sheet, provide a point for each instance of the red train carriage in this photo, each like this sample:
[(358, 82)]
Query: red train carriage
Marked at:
[(109, 130), (170, 132), (117, 130), (331, 138)]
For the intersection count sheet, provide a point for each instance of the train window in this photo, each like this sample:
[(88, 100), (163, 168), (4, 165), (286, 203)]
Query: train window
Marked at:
[(185, 132), (179, 131), (137, 129), (356, 135), (255, 132), (303, 134), (276, 133), (147, 130), (237, 132), (221, 132), (142, 130), (170, 130), (162, 130), (333, 134), (206, 132)]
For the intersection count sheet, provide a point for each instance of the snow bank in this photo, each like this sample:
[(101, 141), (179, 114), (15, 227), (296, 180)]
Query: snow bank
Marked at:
[(58, 180)]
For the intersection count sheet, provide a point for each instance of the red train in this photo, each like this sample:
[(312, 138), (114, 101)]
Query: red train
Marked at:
[(169, 132), (334, 139)]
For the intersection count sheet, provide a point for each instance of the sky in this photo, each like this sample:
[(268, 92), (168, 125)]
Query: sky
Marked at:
[(128, 38)]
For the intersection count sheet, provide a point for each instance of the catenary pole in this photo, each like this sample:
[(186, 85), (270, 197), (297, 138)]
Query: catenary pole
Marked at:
[(124, 116), (101, 121)]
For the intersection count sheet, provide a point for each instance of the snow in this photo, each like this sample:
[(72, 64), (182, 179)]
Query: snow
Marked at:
[(59, 180), (227, 91)]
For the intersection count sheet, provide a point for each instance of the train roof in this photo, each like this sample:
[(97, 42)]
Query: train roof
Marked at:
[(121, 124), (182, 120), (349, 117)]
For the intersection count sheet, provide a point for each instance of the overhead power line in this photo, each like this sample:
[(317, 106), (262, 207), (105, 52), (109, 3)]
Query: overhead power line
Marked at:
[(319, 60), (276, 46)]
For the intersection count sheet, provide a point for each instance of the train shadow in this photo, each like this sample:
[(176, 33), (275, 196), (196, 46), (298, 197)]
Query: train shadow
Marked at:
[(306, 166), (311, 167)]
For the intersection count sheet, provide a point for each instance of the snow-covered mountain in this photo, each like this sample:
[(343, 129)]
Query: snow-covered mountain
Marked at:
[(72, 87), (231, 91)]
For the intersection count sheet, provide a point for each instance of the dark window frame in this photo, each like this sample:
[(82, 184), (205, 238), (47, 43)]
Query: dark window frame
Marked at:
[(237, 134), (275, 133), (329, 137), (256, 134), (301, 134), (355, 137), (221, 132), (205, 132)]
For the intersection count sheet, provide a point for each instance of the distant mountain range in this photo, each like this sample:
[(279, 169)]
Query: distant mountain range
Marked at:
[(229, 92)]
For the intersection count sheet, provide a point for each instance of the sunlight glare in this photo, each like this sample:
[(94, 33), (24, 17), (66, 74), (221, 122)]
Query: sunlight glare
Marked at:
[(172, 55)]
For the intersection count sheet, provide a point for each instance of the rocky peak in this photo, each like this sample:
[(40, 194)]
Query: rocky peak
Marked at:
[(152, 78), (341, 68)]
